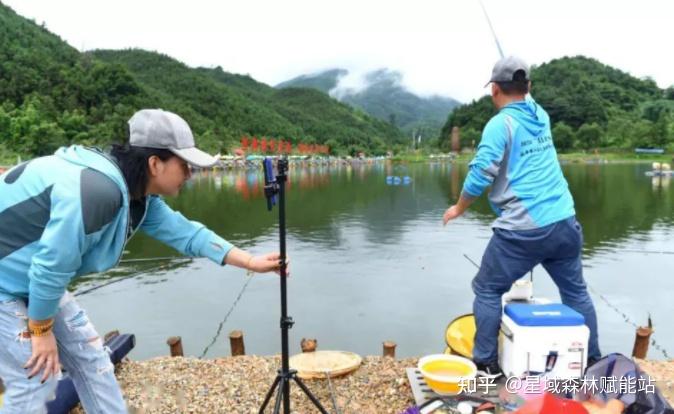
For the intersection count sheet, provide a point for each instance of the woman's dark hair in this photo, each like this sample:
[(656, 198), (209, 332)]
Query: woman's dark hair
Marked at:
[(133, 161)]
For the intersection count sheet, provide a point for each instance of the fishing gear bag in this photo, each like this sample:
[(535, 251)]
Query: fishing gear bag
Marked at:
[(630, 385)]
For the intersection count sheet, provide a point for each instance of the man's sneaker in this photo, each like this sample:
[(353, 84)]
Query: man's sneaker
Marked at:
[(489, 370)]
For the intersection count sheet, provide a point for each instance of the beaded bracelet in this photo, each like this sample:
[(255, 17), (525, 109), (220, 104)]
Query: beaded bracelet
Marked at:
[(40, 329)]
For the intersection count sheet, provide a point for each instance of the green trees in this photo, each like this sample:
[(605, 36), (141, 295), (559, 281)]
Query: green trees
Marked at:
[(591, 105), (589, 136), (52, 95), (564, 137)]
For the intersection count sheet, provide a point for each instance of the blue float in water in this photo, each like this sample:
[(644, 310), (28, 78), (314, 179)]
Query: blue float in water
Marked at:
[(396, 180)]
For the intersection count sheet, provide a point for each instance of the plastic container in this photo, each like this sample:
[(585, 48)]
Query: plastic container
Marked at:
[(550, 340), (445, 373)]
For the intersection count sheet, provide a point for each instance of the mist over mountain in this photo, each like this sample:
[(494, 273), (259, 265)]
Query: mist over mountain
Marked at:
[(381, 93)]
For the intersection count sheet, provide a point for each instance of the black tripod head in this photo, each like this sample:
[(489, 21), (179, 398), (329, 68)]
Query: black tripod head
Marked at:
[(270, 184), (271, 181)]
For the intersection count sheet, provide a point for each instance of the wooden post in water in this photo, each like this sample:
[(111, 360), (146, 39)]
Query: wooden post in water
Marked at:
[(176, 345), (642, 339), (236, 343), (389, 349)]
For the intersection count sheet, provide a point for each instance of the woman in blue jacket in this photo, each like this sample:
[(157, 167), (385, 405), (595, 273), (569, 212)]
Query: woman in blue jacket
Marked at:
[(71, 214)]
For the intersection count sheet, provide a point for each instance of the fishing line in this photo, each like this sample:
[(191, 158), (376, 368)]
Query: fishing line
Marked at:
[(224, 320), (158, 267), (151, 269), (603, 298), (151, 259), (646, 251)]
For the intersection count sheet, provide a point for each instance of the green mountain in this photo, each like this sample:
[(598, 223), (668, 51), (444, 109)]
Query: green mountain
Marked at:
[(590, 104), (324, 81), (384, 97), (52, 95)]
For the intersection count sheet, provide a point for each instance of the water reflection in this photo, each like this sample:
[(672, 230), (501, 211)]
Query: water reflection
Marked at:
[(371, 261)]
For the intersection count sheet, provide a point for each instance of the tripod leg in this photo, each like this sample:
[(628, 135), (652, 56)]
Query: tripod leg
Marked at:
[(310, 395), (286, 396), (279, 396), (269, 394)]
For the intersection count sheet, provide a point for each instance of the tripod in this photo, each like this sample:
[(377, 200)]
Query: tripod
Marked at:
[(272, 187)]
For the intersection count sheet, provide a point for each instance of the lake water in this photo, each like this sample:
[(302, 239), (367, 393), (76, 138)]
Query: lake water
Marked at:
[(372, 262)]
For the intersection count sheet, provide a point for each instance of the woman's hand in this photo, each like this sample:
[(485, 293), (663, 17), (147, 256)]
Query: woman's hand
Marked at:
[(267, 263), (45, 357)]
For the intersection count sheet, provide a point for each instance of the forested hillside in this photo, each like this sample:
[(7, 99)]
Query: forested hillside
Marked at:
[(591, 105), (53, 95)]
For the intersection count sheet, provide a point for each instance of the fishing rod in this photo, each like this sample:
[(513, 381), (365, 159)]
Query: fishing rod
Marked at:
[(493, 32), (609, 304)]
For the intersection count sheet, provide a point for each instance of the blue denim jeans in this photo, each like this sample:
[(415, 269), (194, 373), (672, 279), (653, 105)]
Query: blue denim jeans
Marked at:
[(81, 353), (511, 255)]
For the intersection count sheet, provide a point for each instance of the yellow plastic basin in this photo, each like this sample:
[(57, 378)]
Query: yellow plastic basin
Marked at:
[(444, 373)]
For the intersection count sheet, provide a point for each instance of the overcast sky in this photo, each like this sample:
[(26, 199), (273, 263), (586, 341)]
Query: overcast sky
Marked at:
[(441, 47)]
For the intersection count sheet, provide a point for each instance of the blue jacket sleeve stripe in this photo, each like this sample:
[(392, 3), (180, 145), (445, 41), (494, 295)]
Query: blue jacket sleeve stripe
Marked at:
[(490, 152), (58, 256)]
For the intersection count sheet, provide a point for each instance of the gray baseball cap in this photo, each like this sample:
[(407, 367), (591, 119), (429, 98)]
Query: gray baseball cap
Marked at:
[(156, 128), (505, 69)]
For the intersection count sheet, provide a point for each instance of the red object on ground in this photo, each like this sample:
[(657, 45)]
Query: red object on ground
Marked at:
[(549, 404)]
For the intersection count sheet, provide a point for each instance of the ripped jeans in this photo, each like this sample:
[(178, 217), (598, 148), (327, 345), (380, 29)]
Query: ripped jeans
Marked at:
[(81, 353)]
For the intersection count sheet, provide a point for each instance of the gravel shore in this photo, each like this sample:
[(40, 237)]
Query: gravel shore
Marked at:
[(236, 385)]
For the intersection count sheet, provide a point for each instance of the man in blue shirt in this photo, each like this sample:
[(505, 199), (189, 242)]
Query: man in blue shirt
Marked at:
[(536, 221)]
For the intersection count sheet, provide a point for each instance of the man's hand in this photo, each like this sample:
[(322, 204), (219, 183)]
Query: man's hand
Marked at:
[(45, 356), (457, 209), (267, 263), (450, 214)]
